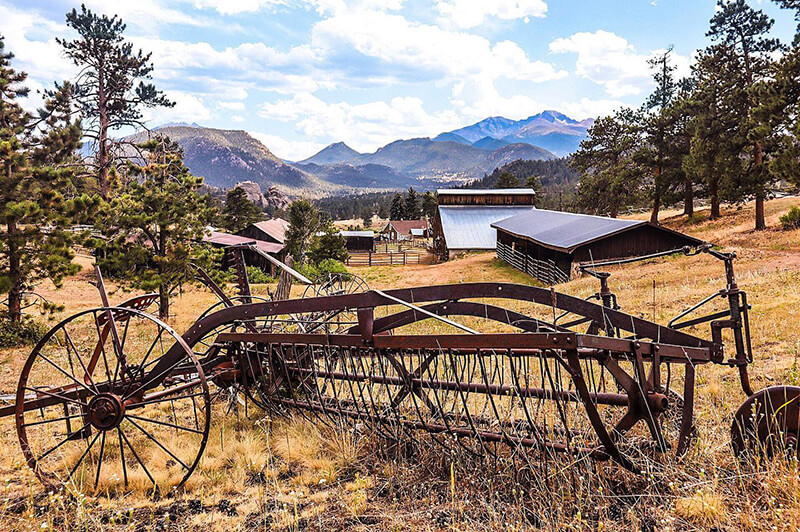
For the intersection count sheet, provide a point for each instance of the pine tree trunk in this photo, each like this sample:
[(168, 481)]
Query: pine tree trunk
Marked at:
[(761, 222), (713, 189), (163, 302), (15, 293), (102, 149), (656, 198), (688, 197)]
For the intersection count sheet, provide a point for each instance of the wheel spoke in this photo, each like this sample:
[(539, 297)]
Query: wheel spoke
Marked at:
[(122, 459), (51, 394), (79, 383), (88, 448), (51, 420), (162, 399), (136, 455), (80, 360), (62, 442), (150, 436), (164, 423), (100, 459)]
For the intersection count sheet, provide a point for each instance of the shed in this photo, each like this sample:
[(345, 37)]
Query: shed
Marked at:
[(268, 231), (359, 240), (395, 230), (545, 244), (224, 240)]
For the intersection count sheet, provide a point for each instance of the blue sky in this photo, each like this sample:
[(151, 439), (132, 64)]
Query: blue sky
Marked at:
[(300, 74)]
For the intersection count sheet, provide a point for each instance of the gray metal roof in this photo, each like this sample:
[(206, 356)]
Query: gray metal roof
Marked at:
[(484, 191), (563, 231), (470, 227), (370, 234)]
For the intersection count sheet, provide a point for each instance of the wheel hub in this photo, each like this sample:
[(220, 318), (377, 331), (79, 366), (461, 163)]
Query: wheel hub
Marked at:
[(105, 411)]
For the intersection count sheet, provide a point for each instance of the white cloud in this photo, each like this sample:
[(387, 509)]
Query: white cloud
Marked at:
[(609, 60), (288, 149), (426, 51), (188, 108), (232, 106), (471, 13), (235, 7), (366, 126), (145, 14), (477, 98), (588, 108)]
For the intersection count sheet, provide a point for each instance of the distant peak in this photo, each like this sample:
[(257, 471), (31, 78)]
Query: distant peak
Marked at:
[(178, 124)]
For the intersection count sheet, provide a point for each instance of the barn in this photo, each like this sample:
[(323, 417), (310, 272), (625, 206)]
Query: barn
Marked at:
[(464, 217), (359, 240), (267, 231), (546, 244), (219, 239)]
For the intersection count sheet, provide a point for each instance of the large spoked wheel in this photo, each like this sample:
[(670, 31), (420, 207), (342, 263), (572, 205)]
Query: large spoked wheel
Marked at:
[(334, 284), (768, 423), (110, 399)]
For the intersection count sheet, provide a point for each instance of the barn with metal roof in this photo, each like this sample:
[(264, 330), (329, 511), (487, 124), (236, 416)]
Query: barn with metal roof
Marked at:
[(464, 217), (546, 244)]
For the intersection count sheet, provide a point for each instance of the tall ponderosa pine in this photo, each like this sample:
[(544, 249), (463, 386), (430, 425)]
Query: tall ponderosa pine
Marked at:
[(239, 211), (743, 32), (37, 159), (304, 222), (661, 153), (112, 87), (397, 211), (155, 227), (413, 206), (610, 178), (429, 205)]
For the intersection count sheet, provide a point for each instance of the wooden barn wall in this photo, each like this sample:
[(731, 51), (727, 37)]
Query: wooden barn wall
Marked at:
[(642, 240), (360, 243), (439, 245), (484, 199)]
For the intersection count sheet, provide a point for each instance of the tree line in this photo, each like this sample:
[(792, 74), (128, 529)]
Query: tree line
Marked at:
[(728, 132)]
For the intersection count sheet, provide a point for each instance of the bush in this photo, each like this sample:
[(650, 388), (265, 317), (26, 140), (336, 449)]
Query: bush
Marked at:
[(257, 276), (791, 220), (27, 331), (322, 269)]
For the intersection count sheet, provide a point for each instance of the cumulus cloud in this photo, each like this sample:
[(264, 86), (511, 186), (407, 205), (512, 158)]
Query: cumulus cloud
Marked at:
[(472, 13), (426, 51), (589, 108), (235, 7), (288, 150), (188, 108), (368, 125), (611, 61)]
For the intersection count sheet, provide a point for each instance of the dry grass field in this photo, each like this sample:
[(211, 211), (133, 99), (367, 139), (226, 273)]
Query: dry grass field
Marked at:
[(269, 473)]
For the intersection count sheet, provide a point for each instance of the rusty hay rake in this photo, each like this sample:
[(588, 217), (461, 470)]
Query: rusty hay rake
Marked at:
[(113, 397)]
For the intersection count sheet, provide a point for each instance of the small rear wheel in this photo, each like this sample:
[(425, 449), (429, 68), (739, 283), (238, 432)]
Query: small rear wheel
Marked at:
[(768, 423)]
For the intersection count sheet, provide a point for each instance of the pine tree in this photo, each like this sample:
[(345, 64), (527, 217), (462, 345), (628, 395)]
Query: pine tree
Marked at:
[(366, 217), (429, 205), (112, 87), (328, 244), (412, 208), (397, 211), (239, 211), (507, 180), (36, 157), (660, 154), (610, 178), (743, 31), (304, 222), (154, 227)]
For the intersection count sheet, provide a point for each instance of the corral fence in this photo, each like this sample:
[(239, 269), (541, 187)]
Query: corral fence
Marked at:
[(545, 271), (386, 259), (401, 246)]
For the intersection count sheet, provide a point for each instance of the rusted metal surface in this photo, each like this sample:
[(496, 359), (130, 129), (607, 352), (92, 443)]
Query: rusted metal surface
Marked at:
[(503, 368)]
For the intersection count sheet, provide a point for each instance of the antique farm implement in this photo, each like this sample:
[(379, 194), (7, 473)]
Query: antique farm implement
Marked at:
[(112, 396)]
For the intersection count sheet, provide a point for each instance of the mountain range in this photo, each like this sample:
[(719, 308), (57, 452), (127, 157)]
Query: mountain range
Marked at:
[(227, 157)]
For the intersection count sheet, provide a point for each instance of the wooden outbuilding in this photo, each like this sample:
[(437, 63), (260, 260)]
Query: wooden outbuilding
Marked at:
[(546, 244), (219, 239), (359, 240), (267, 231)]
